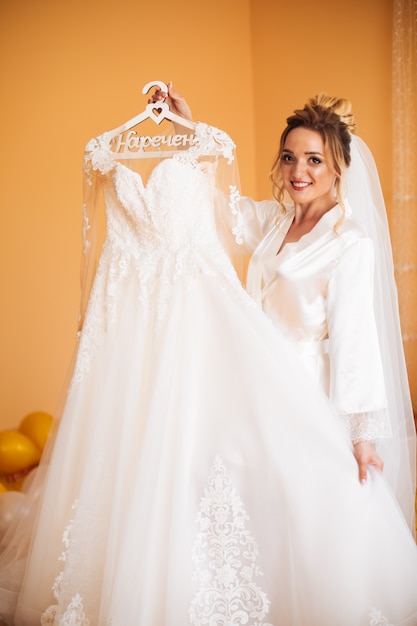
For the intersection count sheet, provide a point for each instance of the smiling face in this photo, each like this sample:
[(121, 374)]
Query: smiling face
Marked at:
[(307, 169)]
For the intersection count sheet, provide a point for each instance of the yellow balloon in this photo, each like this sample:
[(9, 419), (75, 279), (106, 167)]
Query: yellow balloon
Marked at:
[(36, 426), (17, 452)]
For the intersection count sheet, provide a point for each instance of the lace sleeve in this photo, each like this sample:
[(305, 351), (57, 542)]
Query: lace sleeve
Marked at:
[(369, 426), (98, 162)]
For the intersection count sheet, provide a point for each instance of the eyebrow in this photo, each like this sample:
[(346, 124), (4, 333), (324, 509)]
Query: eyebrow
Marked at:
[(291, 152)]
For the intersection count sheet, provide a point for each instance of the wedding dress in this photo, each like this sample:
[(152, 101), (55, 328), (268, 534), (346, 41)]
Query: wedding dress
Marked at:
[(197, 476)]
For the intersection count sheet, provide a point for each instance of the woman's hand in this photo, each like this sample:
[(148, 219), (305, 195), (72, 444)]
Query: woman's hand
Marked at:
[(176, 103), (365, 454)]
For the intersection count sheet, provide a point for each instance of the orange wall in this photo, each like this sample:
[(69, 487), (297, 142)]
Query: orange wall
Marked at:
[(341, 48), (71, 70)]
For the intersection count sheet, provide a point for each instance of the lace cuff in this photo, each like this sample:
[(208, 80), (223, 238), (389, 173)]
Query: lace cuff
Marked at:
[(368, 426)]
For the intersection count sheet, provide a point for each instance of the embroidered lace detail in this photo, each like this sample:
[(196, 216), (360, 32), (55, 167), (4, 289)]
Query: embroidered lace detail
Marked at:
[(48, 617), (377, 619), (74, 614), (225, 556), (98, 156), (234, 204), (210, 139), (86, 228), (66, 540), (368, 426), (207, 140)]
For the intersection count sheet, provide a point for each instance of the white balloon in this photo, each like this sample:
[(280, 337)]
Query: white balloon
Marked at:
[(10, 503)]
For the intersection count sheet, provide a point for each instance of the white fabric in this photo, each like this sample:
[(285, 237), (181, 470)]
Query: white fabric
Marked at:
[(339, 286), (366, 201), (317, 290), (196, 476)]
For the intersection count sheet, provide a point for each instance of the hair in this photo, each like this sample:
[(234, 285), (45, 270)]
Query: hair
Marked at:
[(333, 119), (341, 106)]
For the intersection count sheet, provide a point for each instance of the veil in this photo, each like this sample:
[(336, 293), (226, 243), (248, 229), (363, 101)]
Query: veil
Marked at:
[(365, 202)]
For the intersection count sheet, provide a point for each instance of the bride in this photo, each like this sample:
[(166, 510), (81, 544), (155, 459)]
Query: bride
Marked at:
[(198, 474)]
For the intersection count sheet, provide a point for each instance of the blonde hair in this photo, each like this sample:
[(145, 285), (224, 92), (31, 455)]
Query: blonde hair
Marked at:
[(341, 106), (333, 119)]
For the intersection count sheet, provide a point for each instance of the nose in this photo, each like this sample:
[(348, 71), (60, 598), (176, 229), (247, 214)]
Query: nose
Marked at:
[(299, 169)]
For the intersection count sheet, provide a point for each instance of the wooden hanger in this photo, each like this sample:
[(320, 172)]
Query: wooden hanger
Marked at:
[(156, 111)]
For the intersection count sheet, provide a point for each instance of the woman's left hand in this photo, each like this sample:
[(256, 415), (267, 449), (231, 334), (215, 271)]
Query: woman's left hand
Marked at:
[(365, 454)]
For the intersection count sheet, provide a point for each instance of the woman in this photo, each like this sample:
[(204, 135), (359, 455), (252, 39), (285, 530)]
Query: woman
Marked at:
[(327, 280), (311, 271), (189, 480)]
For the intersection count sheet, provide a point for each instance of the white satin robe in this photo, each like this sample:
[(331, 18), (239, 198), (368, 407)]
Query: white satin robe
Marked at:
[(319, 291)]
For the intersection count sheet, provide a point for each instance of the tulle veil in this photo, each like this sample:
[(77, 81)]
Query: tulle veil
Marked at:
[(366, 204)]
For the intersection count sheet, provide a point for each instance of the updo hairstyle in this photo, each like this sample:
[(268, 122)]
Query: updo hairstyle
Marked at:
[(341, 106)]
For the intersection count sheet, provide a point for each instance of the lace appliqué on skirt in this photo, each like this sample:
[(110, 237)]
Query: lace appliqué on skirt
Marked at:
[(225, 556), (74, 614), (377, 619)]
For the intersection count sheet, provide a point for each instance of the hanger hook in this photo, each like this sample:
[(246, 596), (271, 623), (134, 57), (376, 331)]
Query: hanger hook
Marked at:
[(155, 83)]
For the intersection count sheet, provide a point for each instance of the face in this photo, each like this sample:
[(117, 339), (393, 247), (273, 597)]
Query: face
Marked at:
[(307, 169)]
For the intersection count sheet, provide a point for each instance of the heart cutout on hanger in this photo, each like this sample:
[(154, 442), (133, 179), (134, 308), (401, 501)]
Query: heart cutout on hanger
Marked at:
[(157, 111)]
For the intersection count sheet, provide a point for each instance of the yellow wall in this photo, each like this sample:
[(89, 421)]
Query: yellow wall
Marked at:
[(71, 70)]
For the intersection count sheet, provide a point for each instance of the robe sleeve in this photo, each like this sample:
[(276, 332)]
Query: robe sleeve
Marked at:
[(258, 219), (357, 388)]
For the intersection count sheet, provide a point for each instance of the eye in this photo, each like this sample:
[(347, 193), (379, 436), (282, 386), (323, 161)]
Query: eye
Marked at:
[(287, 158), (315, 160)]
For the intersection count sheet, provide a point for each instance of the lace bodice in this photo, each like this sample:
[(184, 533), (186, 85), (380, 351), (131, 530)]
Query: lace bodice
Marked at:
[(166, 218), (174, 209)]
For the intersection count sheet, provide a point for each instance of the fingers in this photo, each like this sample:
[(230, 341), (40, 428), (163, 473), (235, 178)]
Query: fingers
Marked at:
[(366, 456), (174, 95), (170, 96), (175, 101), (162, 95), (377, 463), (363, 469), (363, 472), (157, 96)]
